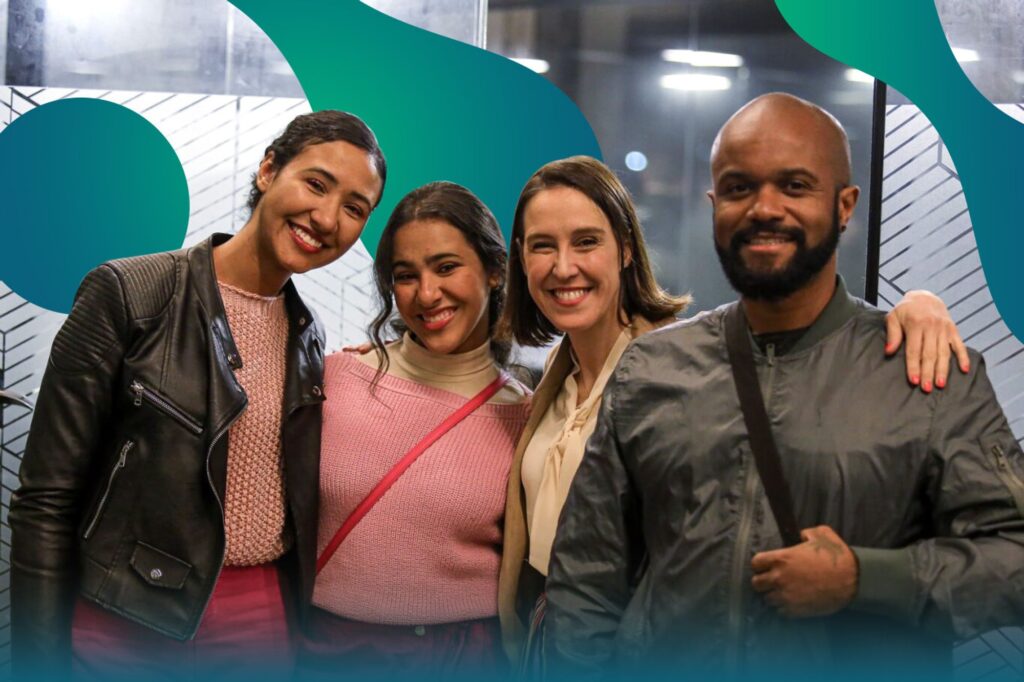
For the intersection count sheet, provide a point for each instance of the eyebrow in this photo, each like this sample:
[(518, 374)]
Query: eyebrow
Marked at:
[(358, 196), (783, 173), (430, 260), (575, 233), (789, 172)]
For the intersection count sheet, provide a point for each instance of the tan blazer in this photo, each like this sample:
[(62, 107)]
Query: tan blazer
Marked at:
[(512, 598)]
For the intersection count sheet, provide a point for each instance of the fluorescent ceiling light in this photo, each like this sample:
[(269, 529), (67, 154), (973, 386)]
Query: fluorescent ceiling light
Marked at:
[(701, 58), (963, 54), (695, 82), (858, 76), (535, 65)]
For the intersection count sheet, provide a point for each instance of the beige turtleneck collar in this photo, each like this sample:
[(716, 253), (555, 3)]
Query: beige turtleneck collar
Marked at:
[(465, 374)]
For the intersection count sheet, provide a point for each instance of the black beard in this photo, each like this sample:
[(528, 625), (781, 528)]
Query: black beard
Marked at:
[(778, 284)]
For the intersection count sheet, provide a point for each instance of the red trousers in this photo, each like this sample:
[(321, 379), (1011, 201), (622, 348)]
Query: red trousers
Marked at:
[(245, 633), (336, 648)]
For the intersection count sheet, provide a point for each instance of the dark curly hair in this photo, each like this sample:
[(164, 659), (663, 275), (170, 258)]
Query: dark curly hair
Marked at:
[(316, 128), (460, 208)]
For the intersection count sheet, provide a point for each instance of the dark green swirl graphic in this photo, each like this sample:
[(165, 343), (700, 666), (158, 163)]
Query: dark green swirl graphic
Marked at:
[(92, 181), (902, 43), (442, 110)]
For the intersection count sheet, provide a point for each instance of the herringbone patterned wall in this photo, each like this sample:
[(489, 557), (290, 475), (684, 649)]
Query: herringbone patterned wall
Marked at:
[(928, 243), (220, 140)]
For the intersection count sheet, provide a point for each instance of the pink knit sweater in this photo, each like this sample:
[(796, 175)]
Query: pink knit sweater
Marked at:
[(254, 502), (430, 550)]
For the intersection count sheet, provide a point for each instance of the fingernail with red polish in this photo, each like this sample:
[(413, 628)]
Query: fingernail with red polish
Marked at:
[(927, 387), (915, 380), (941, 383)]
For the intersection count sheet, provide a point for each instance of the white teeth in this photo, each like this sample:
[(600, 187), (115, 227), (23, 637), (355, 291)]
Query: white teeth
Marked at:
[(307, 238), (440, 317), (768, 240), (569, 294)]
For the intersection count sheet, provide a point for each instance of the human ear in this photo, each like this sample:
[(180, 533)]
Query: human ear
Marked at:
[(847, 202), (266, 172)]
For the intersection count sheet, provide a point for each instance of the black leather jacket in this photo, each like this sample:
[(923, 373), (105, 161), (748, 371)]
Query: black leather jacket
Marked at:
[(122, 482)]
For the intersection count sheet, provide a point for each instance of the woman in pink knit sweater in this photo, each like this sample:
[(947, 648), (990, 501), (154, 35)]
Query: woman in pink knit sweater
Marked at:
[(412, 589)]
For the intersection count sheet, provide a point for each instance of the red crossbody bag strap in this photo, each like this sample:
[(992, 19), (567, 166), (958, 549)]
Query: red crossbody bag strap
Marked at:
[(396, 471)]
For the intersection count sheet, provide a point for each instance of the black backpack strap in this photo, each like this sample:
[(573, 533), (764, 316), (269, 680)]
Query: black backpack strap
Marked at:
[(759, 428)]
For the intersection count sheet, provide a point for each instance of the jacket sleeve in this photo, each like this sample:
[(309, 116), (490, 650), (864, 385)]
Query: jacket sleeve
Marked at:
[(597, 552), (969, 577), (57, 472)]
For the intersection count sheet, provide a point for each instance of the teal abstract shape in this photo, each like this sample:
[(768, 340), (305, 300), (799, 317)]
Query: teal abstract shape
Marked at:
[(903, 44), (85, 181), (442, 110)]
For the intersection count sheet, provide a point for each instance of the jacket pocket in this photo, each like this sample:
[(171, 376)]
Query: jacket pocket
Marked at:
[(158, 568), (1004, 470), (162, 404), (122, 459)]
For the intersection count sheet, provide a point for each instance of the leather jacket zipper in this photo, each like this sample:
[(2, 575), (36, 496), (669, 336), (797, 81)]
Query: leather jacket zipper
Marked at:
[(220, 503), (143, 392), (122, 458), (1003, 470)]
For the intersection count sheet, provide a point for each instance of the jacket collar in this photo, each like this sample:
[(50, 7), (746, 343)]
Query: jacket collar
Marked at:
[(200, 261), (841, 307), (561, 366)]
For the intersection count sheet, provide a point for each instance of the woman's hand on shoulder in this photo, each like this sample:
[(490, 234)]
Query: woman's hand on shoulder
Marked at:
[(361, 349), (922, 323)]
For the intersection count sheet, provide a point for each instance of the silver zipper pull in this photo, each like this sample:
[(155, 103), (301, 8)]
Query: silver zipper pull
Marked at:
[(124, 453), (770, 350), (137, 389), (1001, 462)]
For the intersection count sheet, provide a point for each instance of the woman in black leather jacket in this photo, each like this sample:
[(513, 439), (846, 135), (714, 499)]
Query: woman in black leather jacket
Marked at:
[(170, 475)]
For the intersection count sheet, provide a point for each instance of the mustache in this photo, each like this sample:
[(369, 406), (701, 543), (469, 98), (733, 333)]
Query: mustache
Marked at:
[(747, 234)]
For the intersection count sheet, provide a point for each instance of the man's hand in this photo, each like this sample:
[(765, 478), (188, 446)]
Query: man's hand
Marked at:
[(815, 578)]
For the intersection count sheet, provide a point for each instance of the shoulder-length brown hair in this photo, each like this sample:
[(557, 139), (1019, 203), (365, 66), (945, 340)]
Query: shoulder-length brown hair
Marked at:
[(639, 293)]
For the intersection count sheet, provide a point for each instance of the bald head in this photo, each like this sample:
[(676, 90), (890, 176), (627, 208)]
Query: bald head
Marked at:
[(778, 114)]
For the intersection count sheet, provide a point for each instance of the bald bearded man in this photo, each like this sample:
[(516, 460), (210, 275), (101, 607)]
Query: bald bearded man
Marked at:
[(890, 524)]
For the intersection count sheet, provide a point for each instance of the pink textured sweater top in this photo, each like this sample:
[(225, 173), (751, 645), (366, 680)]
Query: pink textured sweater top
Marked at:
[(430, 550), (254, 501)]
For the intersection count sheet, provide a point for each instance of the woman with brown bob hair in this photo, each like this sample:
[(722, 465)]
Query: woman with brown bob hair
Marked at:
[(639, 293), (578, 266)]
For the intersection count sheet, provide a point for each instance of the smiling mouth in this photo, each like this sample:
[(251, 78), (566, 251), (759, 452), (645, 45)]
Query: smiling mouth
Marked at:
[(768, 239), (305, 238), (438, 319), (569, 296)]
